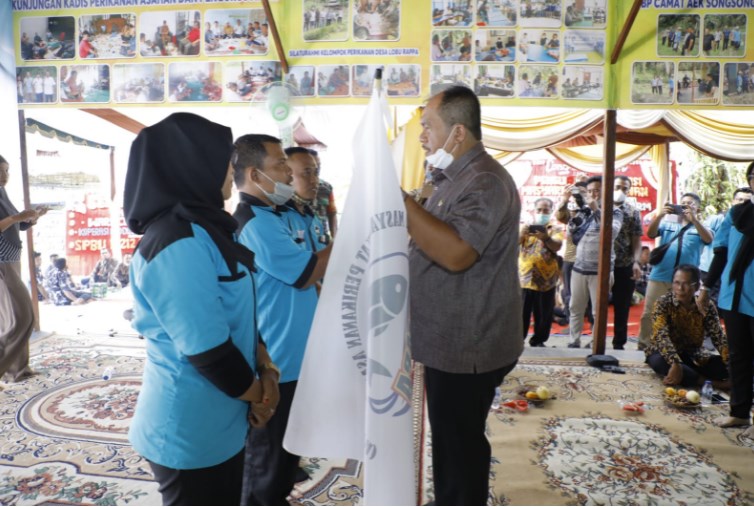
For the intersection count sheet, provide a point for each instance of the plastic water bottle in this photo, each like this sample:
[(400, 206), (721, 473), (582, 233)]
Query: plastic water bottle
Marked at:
[(108, 373), (496, 399), (707, 392)]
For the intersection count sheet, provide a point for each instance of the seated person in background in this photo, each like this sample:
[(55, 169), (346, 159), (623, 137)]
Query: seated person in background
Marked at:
[(41, 291), (676, 349), (86, 49), (190, 44), (104, 268), (62, 290), (119, 278)]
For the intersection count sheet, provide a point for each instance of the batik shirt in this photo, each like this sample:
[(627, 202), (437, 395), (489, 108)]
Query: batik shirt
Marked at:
[(59, 282), (537, 264), (679, 329), (630, 228)]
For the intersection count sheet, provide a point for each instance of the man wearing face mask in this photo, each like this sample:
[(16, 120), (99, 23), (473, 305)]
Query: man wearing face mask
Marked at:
[(463, 241), (538, 271), (627, 269), (287, 271), (585, 231)]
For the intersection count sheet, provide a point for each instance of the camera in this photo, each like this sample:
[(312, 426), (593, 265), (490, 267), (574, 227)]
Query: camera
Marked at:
[(677, 209)]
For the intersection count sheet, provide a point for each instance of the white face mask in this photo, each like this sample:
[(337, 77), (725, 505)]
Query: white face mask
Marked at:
[(541, 219), (441, 159), (282, 193), (619, 197)]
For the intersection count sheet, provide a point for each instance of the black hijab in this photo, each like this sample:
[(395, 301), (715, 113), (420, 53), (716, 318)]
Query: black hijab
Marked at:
[(743, 220), (176, 169)]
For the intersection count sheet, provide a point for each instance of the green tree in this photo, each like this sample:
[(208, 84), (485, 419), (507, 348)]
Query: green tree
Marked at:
[(715, 181)]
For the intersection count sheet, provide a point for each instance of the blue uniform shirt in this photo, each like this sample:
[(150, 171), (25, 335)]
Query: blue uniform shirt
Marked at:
[(182, 308), (730, 237), (284, 262), (713, 224), (692, 250)]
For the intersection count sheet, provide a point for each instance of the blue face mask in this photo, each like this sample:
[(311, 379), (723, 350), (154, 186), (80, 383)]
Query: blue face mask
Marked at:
[(282, 193), (542, 219)]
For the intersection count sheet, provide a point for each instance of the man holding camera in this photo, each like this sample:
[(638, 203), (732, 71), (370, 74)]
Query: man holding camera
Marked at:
[(538, 270), (680, 229), (584, 229)]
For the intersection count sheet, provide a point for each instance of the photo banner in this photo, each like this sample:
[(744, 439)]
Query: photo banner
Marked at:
[(688, 54), (113, 53)]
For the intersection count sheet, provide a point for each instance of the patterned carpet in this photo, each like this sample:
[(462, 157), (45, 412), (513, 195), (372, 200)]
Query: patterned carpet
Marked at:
[(63, 439)]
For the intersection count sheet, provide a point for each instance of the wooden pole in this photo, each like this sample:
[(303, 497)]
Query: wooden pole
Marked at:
[(27, 205), (275, 35), (625, 31), (606, 234)]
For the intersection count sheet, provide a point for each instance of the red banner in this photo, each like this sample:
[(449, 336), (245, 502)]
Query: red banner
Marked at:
[(548, 177), (88, 232)]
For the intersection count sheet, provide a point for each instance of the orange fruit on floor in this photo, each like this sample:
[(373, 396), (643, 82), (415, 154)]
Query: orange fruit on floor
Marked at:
[(670, 391), (531, 395), (682, 392)]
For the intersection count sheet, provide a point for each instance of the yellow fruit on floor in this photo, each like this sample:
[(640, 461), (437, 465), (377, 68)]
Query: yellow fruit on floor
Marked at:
[(531, 395), (670, 391), (681, 393), (543, 392), (693, 397)]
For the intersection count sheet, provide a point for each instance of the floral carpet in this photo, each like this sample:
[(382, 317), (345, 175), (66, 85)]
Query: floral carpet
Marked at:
[(63, 439)]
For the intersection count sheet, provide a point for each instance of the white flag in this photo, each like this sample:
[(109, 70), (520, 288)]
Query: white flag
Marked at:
[(353, 398)]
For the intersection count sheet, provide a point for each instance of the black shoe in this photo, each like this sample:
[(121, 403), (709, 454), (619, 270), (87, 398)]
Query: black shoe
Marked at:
[(536, 344), (302, 475), (618, 347)]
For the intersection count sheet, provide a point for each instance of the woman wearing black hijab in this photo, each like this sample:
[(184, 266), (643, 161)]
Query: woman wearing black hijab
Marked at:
[(16, 312), (194, 303), (734, 258)]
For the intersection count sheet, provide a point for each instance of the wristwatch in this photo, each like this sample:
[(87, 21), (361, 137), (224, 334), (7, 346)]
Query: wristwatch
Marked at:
[(269, 365)]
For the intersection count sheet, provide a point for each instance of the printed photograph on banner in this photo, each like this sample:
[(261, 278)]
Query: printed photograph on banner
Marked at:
[(445, 76), (195, 82), (738, 84), (652, 83), (376, 20), (537, 81), (585, 14), (333, 80), (698, 83), (495, 46), (584, 46), (107, 36), (493, 13), (325, 20), (495, 81), (301, 78), (170, 33), (363, 77), (677, 34), (724, 35), (403, 80), (582, 82), (451, 46), (540, 13), (539, 46), (140, 83), (244, 81), (37, 85), (47, 38), (236, 32), (85, 83), (452, 13)]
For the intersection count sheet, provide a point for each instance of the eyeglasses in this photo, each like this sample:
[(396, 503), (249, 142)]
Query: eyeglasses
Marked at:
[(684, 285)]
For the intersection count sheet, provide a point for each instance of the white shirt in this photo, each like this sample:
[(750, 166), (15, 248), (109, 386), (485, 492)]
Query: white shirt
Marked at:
[(49, 85)]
